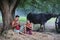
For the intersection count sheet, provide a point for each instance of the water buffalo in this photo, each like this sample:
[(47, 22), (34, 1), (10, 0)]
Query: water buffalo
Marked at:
[(41, 18), (57, 24)]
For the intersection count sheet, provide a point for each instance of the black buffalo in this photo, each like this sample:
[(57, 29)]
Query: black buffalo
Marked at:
[(57, 24), (41, 18)]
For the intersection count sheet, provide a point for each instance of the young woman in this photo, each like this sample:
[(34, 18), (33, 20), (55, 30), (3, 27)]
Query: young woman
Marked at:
[(28, 27)]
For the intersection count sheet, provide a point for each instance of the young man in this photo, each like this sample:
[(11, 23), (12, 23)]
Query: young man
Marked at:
[(16, 25)]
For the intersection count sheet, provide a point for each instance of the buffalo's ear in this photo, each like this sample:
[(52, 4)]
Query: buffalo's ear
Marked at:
[(30, 13)]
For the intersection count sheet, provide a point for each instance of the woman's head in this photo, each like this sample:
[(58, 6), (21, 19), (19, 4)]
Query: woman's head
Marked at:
[(28, 21)]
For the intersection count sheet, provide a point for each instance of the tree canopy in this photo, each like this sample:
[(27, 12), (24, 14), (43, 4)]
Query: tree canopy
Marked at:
[(51, 6)]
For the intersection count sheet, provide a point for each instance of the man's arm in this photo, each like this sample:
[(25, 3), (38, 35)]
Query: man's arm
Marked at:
[(13, 24)]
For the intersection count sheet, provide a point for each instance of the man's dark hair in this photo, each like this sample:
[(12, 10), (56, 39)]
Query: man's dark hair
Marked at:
[(16, 16)]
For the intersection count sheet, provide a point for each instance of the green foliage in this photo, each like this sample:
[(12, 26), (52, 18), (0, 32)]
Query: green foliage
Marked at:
[(22, 19), (51, 6)]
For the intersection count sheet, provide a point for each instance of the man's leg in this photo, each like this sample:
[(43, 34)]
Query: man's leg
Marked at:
[(16, 31), (21, 30)]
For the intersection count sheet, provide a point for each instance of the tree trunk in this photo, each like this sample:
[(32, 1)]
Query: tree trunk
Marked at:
[(13, 14), (8, 12), (7, 17)]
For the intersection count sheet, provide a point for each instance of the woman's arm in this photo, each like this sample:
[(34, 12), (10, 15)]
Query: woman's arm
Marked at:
[(32, 26)]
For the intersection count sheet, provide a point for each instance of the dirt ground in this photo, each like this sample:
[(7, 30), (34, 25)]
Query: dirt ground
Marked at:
[(10, 35), (47, 35)]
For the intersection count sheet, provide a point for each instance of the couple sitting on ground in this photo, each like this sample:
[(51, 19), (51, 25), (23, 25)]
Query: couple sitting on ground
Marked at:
[(27, 28)]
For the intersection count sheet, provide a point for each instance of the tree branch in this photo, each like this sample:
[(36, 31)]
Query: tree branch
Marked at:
[(3, 3), (14, 4)]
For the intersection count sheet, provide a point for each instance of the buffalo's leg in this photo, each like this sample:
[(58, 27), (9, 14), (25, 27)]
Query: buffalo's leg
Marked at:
[(41, 28)]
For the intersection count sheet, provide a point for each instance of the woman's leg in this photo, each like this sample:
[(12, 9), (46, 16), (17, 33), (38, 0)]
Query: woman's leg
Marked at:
[(30, 32), (24, 29)]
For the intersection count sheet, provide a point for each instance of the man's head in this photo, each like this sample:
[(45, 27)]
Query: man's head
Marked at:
[(16, 17)]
